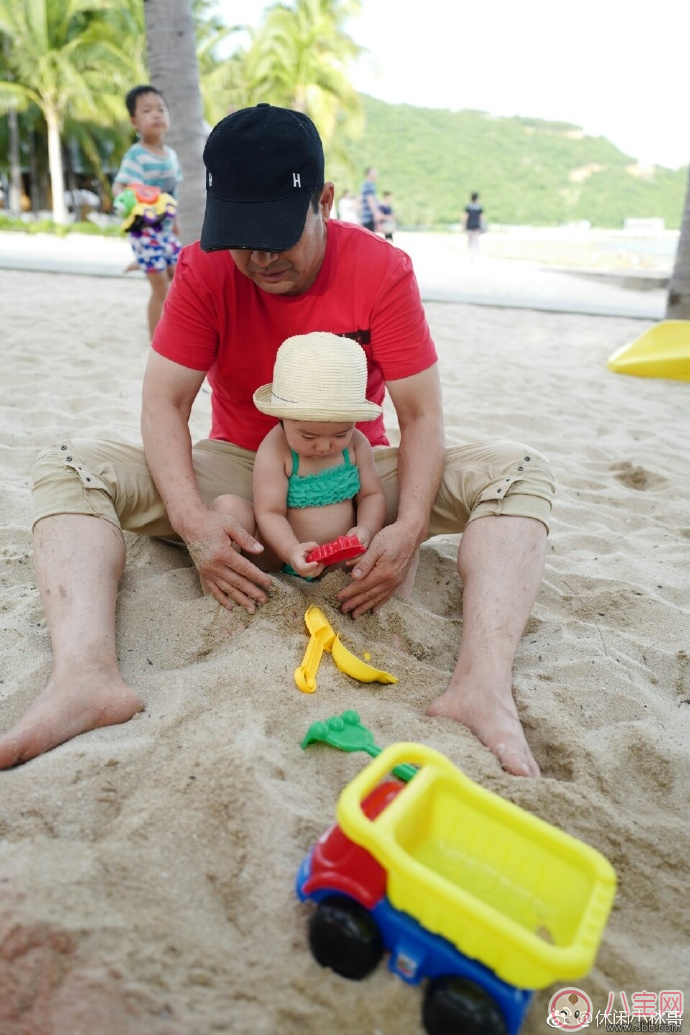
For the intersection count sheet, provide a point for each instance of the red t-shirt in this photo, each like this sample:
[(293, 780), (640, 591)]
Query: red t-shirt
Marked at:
[(216, 319)]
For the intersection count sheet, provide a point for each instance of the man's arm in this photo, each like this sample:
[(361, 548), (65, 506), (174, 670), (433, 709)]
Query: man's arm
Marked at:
[(382, 569), (168, 394)]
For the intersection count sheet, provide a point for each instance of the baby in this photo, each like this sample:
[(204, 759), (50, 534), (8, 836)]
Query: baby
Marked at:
[(314, 475)]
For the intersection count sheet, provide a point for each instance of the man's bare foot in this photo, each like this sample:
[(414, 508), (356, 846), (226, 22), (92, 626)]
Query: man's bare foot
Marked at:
[(492, 716), (69, 705)]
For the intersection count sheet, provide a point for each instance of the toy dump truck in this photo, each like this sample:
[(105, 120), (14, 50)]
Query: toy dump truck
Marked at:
[(463, 888)]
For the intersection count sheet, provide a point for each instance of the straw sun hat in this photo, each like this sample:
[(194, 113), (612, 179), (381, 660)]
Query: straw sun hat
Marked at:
[(319, 377)]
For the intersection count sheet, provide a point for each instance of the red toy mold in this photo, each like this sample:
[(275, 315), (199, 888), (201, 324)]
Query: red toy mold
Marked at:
[(340, 549)]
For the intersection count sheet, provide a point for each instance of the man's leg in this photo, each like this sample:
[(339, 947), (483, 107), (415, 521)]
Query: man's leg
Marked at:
[(78, 560), (79, 556), (501, 563)]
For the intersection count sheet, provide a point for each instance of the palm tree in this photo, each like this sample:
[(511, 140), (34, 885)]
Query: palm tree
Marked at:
[(218, 79), (678, 302), (63, 61), (171, 37), (300, 59)]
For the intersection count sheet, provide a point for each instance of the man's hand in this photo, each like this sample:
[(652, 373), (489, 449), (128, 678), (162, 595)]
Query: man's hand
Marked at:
[(377, 574), (225, 574)]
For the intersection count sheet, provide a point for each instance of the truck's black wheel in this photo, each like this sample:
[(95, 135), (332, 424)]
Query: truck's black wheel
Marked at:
[(345, 937), (458, 1006)]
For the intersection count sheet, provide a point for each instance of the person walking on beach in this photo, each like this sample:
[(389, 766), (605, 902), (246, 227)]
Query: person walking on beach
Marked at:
[(272, 264), (314, 476), (473, 223), (153, 163), (369, 214), (388, 223)]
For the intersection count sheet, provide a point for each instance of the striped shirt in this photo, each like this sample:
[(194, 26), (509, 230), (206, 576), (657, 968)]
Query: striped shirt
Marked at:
[(139, 165)]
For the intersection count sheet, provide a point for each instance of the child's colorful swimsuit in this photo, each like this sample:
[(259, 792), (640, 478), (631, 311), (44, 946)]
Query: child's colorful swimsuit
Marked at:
[(331, 485)]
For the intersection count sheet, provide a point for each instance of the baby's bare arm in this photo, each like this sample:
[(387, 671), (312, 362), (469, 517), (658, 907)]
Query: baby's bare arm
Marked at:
[(370, 500), (270, 485)]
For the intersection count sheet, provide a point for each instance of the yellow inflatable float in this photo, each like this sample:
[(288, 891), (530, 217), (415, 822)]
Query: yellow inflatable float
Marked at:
[(662, 351)]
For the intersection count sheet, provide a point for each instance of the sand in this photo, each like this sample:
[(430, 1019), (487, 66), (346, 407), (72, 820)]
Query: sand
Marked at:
[(147, 870)]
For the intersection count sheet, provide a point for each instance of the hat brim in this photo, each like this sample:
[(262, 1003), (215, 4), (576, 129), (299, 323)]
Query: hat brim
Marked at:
[(263, 226), (297, 411)]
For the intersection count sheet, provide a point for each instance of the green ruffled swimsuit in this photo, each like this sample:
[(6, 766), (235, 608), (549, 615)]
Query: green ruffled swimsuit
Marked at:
[(331, 485)]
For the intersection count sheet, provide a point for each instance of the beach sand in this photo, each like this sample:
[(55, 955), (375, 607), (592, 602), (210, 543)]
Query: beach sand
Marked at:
[(147, 870)]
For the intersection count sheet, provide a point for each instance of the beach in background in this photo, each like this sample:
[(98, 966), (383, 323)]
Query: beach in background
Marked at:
[(565, 269), (147, 870)]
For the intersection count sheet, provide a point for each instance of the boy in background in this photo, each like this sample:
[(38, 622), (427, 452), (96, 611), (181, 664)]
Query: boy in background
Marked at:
[(150, 161)]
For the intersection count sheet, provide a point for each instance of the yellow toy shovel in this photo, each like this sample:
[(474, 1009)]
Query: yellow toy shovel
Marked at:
[(351, 665), (321, 638)]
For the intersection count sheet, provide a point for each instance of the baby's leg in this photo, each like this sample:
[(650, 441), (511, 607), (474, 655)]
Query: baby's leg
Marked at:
[(238, 508), (243, 511)]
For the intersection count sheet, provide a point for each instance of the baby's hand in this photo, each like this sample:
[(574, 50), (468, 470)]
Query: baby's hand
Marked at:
[(297, 560)]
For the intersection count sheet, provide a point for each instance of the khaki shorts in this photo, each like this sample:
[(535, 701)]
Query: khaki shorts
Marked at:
[(111, 480)]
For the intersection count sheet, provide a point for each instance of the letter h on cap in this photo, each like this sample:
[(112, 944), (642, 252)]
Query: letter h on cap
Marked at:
[(296, 181)]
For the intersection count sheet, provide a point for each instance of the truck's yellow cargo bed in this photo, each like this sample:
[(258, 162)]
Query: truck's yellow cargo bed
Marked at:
[(506, 888)]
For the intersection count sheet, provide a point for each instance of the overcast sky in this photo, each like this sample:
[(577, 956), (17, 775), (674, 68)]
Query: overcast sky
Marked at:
[(615, 68)]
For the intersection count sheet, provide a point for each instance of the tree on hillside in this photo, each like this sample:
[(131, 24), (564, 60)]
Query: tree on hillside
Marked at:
[(61, 60), (171, 39), (678, 301)]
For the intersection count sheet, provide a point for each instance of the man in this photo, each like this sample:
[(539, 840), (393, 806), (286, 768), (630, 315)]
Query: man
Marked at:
[(369, 214), (270, 264)]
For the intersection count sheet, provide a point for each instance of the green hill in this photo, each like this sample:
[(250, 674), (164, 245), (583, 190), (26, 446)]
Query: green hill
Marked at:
[(528, 171)]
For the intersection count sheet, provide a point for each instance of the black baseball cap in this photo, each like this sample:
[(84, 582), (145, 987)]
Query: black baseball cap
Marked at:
[(262, 164)]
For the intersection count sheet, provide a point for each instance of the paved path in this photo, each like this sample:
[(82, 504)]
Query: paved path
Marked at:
[(443, 270)]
